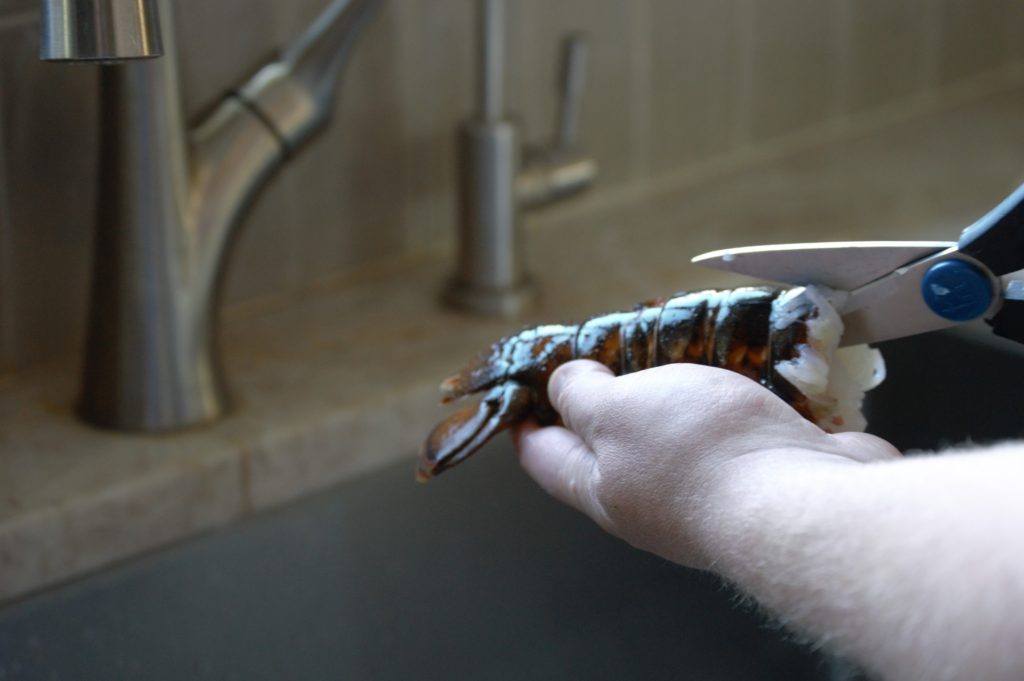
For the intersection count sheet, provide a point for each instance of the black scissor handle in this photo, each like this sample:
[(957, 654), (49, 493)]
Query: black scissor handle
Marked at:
[(997, 239)]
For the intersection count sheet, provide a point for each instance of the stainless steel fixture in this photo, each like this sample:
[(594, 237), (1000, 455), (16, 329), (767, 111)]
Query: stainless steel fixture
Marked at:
[(498, 179), (170, 200), (99, 30)]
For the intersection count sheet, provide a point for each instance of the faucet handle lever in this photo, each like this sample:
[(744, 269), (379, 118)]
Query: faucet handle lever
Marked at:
[(572, 84)]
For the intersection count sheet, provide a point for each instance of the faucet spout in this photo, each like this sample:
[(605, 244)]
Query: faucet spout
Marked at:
[(269, 119), (170, 199), (98, 30), (295, 94)]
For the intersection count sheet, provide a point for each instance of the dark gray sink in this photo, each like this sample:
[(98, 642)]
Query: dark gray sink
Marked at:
[(476, 576)]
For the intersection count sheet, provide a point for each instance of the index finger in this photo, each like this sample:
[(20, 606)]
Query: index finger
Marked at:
[(562, 464)]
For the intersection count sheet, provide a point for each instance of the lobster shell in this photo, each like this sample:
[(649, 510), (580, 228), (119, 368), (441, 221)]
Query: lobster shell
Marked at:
[(746, 330)]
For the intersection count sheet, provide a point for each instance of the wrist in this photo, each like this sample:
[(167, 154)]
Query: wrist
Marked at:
[(760, 496)]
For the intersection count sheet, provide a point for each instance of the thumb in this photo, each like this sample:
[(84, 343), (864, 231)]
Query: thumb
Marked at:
[(575, 391)]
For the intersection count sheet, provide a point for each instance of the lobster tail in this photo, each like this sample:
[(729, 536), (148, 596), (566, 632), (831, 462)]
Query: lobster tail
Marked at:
[(528, 357), (784, 339), (467, 430)]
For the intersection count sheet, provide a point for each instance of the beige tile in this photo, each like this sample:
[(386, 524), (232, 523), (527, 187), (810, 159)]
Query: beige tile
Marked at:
[(293, 17), (220, 44), (640, 90), (258, 263), (793, 66), (75, 498), (49, 130), (436, 43), (972, 37), (312, 457), (8, 330), (347, 192), (535, 41), (86, 532), (1012, 32), (672, 82), (162, 508), (529, 97), (33, 552), (888, 50), (696, 72), (10, 7), (210, 66), (295, 233), (7, 327)]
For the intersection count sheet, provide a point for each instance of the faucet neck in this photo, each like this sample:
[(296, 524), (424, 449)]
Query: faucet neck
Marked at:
[(169, 201), (144, 339), (144, 155)]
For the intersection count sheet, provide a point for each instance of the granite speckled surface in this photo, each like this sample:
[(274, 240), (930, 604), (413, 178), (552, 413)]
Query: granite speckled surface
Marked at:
[(343, 380)]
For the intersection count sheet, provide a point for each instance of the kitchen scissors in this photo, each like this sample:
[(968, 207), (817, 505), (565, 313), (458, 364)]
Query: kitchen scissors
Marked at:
[(891, 289)]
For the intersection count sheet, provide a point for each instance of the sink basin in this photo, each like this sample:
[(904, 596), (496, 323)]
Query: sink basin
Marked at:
[(478, 575), (948, 388)]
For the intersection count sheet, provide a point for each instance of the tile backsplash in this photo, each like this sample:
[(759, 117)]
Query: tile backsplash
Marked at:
[(673, 83)]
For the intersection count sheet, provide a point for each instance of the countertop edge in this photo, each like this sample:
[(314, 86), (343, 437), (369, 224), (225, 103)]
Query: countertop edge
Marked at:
[(60, 520)]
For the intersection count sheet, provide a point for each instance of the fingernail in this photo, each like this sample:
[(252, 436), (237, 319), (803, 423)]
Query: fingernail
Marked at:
[(557, 380)]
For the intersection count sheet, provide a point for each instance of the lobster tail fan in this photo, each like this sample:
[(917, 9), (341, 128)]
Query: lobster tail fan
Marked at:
[(467, 430), (484, 371)]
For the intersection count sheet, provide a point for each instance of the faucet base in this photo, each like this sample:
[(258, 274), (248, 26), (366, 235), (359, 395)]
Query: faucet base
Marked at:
[(505, 301), (105, 419), (131, 386)]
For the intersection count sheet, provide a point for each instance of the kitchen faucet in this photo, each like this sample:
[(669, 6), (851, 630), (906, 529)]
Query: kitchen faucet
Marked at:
[(170, 197), (498, 179)]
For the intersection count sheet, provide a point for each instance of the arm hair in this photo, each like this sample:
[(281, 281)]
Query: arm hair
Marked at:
[(912, 567)]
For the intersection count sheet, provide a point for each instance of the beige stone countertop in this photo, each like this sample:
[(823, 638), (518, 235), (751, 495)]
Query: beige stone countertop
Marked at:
[(343, 380)]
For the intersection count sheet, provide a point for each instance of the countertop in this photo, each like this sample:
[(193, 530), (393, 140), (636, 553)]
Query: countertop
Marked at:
[(343, 380)]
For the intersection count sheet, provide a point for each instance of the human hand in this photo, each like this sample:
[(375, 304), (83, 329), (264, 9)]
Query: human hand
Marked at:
[(648, 455)]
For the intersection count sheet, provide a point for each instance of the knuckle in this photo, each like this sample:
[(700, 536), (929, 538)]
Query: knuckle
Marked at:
[(582, 479), (599, 503), (688, 375), (725, 391)]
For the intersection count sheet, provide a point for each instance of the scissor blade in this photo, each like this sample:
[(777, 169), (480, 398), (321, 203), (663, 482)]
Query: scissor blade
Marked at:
[(889, 320), (893, 306), (843, 265)]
